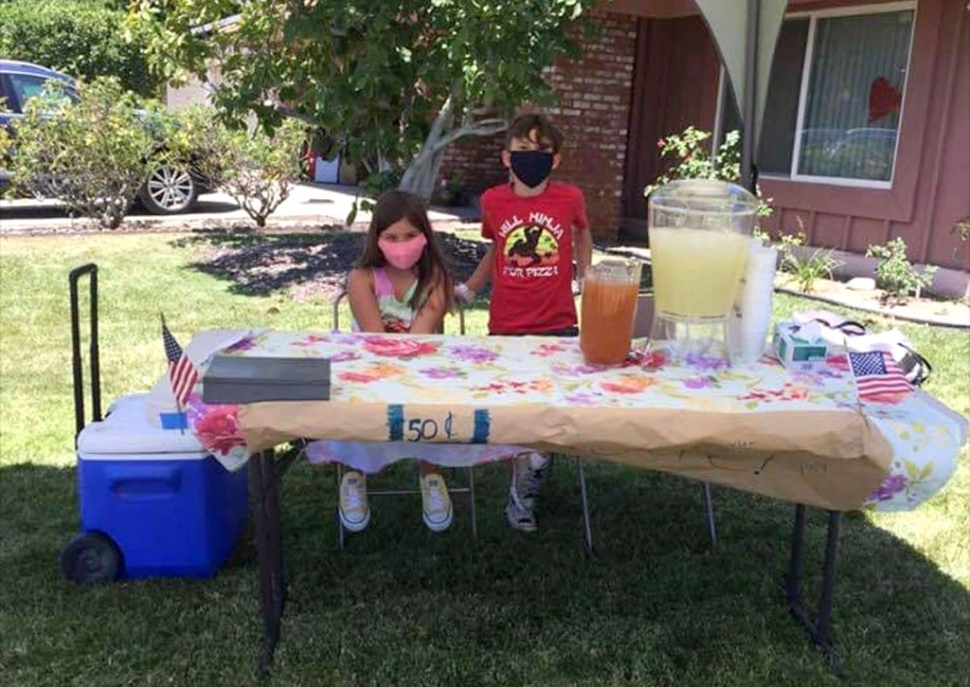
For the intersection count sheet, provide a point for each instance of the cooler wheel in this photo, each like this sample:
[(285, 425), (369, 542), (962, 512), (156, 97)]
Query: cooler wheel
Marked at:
[(91, 558)]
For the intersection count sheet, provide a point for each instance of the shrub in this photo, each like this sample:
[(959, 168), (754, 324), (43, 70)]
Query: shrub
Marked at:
[(256, 168), (82, 39), (94, 154), (804, 270), (693, 161), (895, 274)]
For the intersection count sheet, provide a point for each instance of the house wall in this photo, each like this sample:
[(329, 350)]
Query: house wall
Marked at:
[(193, 91), (594, 105), (931, 186), (670, 53)]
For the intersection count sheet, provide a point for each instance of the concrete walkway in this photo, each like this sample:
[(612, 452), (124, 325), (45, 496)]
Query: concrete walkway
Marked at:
[(309, 204)]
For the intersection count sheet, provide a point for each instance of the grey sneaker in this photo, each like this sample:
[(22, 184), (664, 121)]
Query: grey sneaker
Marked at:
[(527, 474), (519, 517)]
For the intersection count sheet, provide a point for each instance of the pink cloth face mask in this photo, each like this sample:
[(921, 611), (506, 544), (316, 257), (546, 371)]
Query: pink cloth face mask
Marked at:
[(403, 254)]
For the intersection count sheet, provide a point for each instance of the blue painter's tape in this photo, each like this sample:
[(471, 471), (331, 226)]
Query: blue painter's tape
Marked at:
[(395, 423), (483, 425), (173, 420)]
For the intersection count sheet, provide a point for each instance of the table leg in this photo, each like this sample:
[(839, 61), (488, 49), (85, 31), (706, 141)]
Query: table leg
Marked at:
[(819, 626), (264, 480)]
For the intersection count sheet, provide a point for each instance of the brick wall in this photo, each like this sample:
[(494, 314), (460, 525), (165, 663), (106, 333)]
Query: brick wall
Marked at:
[(593, 112)]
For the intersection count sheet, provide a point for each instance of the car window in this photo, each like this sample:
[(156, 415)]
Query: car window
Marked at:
[(27, 86)]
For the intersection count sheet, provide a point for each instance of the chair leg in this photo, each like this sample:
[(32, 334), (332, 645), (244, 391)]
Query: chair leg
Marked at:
[(709, 507), (471, 502), (582, 491), (339, 471)]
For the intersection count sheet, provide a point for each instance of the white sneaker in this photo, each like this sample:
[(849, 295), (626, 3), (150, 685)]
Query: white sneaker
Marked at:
[(354, 509), (435, 502), (527, 474)]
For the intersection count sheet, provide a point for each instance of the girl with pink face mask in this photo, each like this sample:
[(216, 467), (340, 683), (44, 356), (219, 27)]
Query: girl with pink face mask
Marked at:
[(400, 284)]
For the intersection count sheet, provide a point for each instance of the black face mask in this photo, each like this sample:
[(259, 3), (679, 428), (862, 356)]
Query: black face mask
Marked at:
[(531, 167)]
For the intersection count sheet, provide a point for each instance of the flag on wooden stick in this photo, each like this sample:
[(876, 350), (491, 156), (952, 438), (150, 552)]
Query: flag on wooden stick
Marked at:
[(182, 374)]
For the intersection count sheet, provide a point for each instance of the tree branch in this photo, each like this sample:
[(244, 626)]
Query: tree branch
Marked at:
[(486, 127), (294, 114)]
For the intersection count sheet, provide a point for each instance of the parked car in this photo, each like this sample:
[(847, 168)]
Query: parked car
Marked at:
[(169, 190)]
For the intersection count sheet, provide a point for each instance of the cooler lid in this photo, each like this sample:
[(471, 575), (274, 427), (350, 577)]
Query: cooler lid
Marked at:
[(126, 430)]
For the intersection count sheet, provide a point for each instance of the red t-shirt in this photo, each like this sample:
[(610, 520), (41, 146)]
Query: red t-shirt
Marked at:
[(532, 275)]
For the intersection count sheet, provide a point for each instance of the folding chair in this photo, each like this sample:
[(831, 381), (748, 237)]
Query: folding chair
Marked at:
[(643, 319), (470, 489)]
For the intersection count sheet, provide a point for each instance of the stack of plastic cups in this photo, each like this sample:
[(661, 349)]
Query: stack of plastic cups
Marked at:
[(748, 327)]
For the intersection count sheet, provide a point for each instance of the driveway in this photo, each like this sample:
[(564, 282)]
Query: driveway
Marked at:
[(308, 203)]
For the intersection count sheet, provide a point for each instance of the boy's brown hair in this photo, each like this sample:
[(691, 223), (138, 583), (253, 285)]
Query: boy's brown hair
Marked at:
[(548, 136)]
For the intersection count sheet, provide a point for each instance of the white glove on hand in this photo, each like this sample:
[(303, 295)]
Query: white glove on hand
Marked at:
[(463, 294)]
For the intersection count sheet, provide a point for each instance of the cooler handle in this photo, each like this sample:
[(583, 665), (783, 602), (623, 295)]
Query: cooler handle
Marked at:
[(140, 483), (93, 355)]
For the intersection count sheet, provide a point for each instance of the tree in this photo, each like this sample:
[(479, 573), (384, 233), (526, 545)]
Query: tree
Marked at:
[(393, 82), (256, 168)]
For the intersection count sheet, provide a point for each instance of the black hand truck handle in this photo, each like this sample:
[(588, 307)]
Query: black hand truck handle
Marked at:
[(94, 356)]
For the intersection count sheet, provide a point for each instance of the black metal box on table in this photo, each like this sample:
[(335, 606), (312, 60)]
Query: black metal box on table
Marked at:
[(241, 379)]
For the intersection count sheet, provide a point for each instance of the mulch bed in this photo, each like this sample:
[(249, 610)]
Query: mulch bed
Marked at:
[(306, 266)]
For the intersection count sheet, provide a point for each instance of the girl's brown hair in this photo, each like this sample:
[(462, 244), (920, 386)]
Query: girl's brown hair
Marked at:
[(433, 268)]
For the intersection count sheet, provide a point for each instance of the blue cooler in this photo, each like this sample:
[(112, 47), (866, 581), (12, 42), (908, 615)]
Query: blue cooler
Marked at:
[(154, 496)]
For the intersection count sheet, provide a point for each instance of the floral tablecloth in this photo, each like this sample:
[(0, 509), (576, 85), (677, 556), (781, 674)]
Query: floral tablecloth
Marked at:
[(803, 437)]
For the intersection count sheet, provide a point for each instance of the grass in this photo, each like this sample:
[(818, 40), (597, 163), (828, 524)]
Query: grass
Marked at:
[(654, 606)]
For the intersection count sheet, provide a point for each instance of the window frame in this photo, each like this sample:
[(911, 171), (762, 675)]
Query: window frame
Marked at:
[(813, 16)]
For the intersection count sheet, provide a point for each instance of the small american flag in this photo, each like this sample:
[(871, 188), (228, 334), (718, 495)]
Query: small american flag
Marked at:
[(877, 374), (181, 372)]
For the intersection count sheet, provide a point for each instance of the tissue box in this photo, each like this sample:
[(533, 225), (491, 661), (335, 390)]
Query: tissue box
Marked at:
[(798, 353)]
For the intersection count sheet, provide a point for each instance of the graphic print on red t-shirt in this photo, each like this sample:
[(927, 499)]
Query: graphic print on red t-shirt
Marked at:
[(532, 275)]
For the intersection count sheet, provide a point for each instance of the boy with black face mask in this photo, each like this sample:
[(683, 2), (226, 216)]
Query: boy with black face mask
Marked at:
[(530, 222)]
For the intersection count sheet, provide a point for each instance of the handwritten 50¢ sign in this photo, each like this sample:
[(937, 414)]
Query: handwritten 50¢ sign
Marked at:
[(424, 425)]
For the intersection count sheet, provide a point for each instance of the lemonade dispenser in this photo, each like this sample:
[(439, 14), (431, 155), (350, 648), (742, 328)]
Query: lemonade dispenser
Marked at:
[(700, 236)]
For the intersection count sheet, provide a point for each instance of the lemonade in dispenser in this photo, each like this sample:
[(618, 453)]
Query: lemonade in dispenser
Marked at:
[(700, 236)]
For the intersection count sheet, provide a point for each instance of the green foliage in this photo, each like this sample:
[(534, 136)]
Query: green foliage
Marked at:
[(693, 160), (257, 168), (895, 274), (85, 40), (808, 269), (94, 154), (372, 187), (374, 74)]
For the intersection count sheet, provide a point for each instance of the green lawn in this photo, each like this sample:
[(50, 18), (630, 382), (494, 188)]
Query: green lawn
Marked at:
[(655, 605)]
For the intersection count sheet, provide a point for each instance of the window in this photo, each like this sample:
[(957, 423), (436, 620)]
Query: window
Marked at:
[(27, 86), (836, 95)]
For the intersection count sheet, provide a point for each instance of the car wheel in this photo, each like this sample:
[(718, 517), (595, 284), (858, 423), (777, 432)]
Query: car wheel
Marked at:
[(169, 190)]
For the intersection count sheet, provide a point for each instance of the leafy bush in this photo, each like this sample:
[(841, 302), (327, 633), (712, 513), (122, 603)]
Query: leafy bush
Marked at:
[(94, 154), (895, 274), (256, 168), (689, 150), (82, 39), (805, 270), (808, 269)]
